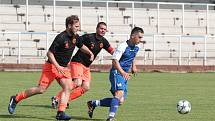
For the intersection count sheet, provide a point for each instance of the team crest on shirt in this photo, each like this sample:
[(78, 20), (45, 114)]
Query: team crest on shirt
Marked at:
[(92, 45), (66, 45), (101, 45)]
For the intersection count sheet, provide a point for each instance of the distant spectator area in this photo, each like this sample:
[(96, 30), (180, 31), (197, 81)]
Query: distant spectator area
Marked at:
[(176, 33)]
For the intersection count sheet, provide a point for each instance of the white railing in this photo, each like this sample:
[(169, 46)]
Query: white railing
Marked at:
[(157, 47)]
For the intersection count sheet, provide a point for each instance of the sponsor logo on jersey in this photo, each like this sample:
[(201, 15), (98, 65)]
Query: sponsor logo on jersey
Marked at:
[(119, 84)]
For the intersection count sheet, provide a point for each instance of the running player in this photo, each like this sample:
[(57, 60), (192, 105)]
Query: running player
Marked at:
[(80, 62), (122, 60), (59, 55)]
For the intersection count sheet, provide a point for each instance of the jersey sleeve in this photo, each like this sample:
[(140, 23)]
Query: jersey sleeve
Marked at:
[(107, 46), (79, 41), (119, 51), (56, 43)]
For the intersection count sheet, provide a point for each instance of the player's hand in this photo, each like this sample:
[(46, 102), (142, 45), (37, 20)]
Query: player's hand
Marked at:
[(91, 56), (68, 66), (134, 71), (126, 76), (134, 74), (60, 70)]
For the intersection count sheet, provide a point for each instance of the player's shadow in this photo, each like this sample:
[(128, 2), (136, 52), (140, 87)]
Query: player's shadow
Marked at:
[(38, 106), (84, 118), (79, 118), (23, 117)]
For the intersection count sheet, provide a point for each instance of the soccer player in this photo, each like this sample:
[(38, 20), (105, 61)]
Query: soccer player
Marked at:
[(122, 60), (59, 56), (80, 62)]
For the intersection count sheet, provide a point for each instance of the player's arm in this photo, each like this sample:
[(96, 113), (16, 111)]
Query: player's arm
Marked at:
[(111, 50), (134, 67), (83, 48), (116, 64), (87, 51), (115, 61), (52, 59), (108, 47), (50, 54)]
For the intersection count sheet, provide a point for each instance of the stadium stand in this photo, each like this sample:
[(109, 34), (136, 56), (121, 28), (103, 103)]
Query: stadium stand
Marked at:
[(165, 49)]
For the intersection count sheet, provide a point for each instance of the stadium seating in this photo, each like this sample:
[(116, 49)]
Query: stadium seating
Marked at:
[(13, 18)]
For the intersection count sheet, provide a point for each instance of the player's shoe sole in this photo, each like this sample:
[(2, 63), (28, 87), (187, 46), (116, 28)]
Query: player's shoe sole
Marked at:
[(111, 119), (12, 104), (62, 116), (90, 109)]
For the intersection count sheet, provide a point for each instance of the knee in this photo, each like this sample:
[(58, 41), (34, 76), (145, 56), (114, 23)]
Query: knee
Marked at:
[(68, 88), (77, 82), (41, 90), (86, 88), (121, 101), (120, 97)]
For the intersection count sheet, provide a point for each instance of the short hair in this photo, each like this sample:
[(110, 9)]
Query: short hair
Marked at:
[(71, 20), (101, 23), (136, 30)]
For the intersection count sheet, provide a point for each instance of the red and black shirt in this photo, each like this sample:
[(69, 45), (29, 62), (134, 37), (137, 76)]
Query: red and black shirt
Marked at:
[(63, 47), (95, 44)]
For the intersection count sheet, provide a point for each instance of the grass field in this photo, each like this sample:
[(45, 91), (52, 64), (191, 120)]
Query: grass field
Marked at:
[(151, 97)]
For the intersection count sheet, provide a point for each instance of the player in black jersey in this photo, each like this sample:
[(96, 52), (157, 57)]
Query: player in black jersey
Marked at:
[(59, 55), (80, 63)]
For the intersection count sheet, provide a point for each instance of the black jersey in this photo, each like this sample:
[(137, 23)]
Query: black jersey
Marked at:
[(63, 47), (95, 44)]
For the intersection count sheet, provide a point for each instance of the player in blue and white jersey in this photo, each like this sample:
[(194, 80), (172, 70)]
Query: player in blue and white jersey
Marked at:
[(122, 62)]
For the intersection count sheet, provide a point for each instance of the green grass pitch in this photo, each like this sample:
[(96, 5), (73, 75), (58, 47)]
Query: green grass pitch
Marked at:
[(151, 97)]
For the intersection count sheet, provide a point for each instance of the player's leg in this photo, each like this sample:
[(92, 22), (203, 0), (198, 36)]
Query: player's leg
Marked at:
[(115, 102), (105, 102), (81, 76), (67, 75), (65, 84), (94, 103), (78, 73), (46, 79), (119, 89)]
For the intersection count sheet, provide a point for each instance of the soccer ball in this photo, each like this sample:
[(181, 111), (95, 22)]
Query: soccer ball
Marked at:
[(183, 106)]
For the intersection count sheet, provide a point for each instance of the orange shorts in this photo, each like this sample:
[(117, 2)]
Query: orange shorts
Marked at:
[(80, 71), (49, 73)]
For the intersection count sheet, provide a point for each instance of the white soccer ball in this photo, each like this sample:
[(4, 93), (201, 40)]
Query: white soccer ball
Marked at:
[(183, 106)]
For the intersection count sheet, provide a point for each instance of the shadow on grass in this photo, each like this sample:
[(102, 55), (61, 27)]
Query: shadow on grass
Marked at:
[(80, 118), (23, 117), (84, 118), (40, 106)]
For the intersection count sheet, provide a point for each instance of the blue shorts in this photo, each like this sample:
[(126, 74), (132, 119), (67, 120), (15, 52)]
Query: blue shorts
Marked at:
[(118, 83)]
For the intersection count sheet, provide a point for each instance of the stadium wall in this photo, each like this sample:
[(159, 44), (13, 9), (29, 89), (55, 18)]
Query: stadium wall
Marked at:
[(106, 68)]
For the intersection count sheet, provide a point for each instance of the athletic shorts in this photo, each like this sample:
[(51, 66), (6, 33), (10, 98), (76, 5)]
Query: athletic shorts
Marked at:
[(50, 73), (118, 83), (80, 71)]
